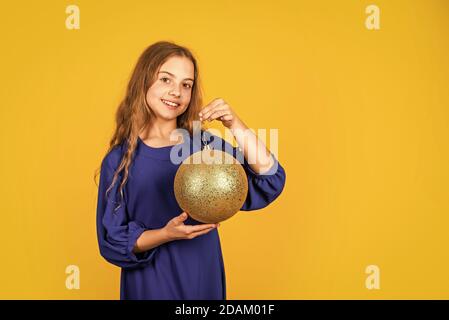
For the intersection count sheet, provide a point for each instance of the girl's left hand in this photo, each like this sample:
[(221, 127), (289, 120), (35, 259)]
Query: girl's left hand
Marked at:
[(218, 109)]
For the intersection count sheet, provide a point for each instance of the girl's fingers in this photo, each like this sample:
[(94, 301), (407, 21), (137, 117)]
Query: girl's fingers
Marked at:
[(199, 233), (206, 112), (207, 115), (218, 114), (200, 227), (181, 218), (211, 105)]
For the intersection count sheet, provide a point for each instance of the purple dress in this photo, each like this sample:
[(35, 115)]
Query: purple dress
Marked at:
[(177, 270)]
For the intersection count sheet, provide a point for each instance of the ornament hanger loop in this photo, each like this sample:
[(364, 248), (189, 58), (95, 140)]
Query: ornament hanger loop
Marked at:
[(206, 145)]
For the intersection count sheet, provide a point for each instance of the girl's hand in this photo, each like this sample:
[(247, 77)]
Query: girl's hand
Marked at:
[(218, 109), (176, 229)]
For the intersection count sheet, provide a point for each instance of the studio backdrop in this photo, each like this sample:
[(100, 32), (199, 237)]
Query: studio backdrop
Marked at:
[(357, 92)]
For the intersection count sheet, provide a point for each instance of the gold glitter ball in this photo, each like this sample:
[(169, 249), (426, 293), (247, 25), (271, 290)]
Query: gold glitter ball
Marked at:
[(211, 186)]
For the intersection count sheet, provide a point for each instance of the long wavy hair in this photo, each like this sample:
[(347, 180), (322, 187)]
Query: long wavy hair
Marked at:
[(133, 113)]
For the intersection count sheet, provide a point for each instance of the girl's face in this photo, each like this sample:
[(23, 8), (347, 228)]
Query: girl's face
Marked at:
[(169, 96)]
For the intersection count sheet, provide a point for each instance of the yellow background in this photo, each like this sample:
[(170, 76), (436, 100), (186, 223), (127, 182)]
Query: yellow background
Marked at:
[(363, 125)]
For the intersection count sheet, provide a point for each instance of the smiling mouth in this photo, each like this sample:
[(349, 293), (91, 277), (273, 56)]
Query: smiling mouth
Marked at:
[(170, 104)]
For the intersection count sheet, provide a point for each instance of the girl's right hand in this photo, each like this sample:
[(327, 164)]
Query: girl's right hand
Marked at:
[(176, 229)]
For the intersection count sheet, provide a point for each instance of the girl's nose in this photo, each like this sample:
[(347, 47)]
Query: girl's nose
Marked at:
[(174, 93)]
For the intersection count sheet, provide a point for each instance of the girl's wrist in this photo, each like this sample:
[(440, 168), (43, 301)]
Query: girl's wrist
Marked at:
[(237, 125), (165, 235)]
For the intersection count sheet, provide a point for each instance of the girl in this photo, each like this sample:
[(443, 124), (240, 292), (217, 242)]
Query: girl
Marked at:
[(163, 253)]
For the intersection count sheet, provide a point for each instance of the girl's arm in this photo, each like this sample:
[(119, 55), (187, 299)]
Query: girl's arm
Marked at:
[(175, 229), (150, 239), (256, 153), (254, 150)]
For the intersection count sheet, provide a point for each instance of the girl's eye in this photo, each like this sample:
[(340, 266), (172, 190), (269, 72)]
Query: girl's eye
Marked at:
[(166, 80)]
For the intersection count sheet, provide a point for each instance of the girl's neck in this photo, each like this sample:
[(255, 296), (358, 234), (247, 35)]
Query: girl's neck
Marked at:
[(159, 129)]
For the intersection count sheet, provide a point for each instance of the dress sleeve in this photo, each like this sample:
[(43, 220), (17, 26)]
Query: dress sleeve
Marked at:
[(116, 234), (262, 188)]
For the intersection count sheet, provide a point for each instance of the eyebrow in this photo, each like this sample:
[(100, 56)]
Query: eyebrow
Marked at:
[(173, 75)]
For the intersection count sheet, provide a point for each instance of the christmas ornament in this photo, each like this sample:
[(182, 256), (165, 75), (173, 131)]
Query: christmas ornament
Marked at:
[(211, 186)]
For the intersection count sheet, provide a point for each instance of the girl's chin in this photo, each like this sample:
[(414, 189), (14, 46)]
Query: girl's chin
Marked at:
[(167, 115)]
